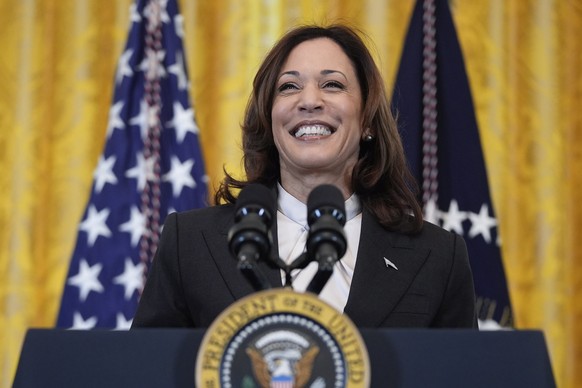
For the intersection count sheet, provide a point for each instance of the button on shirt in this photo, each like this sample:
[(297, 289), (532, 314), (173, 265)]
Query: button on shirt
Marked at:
[(292, 232)]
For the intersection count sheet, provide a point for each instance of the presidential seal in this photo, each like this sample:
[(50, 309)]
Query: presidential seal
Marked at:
[(281, 338)]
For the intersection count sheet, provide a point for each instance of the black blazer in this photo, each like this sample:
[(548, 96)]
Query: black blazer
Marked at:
[(194, 277)]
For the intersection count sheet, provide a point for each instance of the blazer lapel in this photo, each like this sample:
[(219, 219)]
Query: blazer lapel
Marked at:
[(217, 241), (386, 265)]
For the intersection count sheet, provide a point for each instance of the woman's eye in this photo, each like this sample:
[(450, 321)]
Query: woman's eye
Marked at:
[(333, 85), (287, 86)]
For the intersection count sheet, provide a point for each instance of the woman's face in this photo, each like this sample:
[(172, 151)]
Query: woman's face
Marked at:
[(317, 109)]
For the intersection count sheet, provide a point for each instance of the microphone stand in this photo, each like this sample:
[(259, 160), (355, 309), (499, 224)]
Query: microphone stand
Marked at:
[(247, 265)]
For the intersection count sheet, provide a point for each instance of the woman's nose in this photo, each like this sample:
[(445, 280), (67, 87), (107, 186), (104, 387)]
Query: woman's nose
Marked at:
[(311, 98)]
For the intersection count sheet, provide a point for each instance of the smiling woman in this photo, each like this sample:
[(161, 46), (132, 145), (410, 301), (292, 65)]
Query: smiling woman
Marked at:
[(331, 64), (318, 115), (316, 118)]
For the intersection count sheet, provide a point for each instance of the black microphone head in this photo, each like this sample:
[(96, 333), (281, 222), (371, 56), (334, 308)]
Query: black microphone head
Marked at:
[(326, 199), (256, 198)]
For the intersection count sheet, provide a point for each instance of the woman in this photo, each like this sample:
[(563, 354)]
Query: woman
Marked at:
[(319, 114)]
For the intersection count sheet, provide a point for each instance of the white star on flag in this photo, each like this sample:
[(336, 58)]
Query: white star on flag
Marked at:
[(139, 171), (179, 175), (83, 324), (123, 68), (134, 15), (179, 25), (87, 279), (453, 219), (95, 225), (122, 322), (482, 223), (115, 120), (135, 226), (104, 173), (131, 278), (183, 122), (178, 70), (141, 120)]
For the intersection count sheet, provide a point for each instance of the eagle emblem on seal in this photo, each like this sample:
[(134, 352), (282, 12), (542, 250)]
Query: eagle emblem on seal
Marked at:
[(282, 359)]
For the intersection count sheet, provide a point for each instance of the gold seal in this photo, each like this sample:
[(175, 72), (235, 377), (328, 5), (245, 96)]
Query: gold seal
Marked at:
[(279, 337)]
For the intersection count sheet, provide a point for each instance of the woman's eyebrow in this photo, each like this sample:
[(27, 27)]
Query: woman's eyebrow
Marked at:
[(323, 72), (290, 72), (327, 72)]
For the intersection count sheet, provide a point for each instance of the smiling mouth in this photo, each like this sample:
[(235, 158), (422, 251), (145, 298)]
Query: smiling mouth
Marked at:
[(311, 130)]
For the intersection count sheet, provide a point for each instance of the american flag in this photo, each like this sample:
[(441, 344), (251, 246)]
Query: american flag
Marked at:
[(151, 166), (433, 103)]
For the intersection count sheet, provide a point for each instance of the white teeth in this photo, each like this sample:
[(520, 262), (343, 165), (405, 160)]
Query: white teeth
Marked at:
[(313, 130)]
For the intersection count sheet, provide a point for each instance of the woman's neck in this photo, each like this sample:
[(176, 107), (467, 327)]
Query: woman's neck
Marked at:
[(301, 186)]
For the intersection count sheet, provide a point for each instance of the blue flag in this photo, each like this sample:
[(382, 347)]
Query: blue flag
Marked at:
[(434, 108), (151, 166)]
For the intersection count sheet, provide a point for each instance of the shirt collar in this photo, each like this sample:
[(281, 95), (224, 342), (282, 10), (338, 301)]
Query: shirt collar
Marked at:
[(297, 210)]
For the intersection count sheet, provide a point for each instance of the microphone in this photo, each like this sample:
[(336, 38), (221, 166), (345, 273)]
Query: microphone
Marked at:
[(249, 239), (326, 242)]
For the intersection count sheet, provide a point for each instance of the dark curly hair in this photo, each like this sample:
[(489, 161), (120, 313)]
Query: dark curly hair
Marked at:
[(380, 178)]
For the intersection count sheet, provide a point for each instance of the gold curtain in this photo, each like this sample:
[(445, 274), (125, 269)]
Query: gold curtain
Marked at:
[(56, 75)]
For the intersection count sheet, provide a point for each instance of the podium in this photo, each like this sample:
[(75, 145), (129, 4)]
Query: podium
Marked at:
[(398, 358)]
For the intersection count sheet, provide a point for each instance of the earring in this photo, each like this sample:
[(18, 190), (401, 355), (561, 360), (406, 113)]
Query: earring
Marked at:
[(368, 138)]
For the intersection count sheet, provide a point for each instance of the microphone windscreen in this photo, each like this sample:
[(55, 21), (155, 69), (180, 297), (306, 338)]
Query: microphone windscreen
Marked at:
[(258, 196), (327, 197)]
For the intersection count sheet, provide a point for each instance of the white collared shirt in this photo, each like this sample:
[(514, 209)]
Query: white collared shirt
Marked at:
[(292, 231)]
